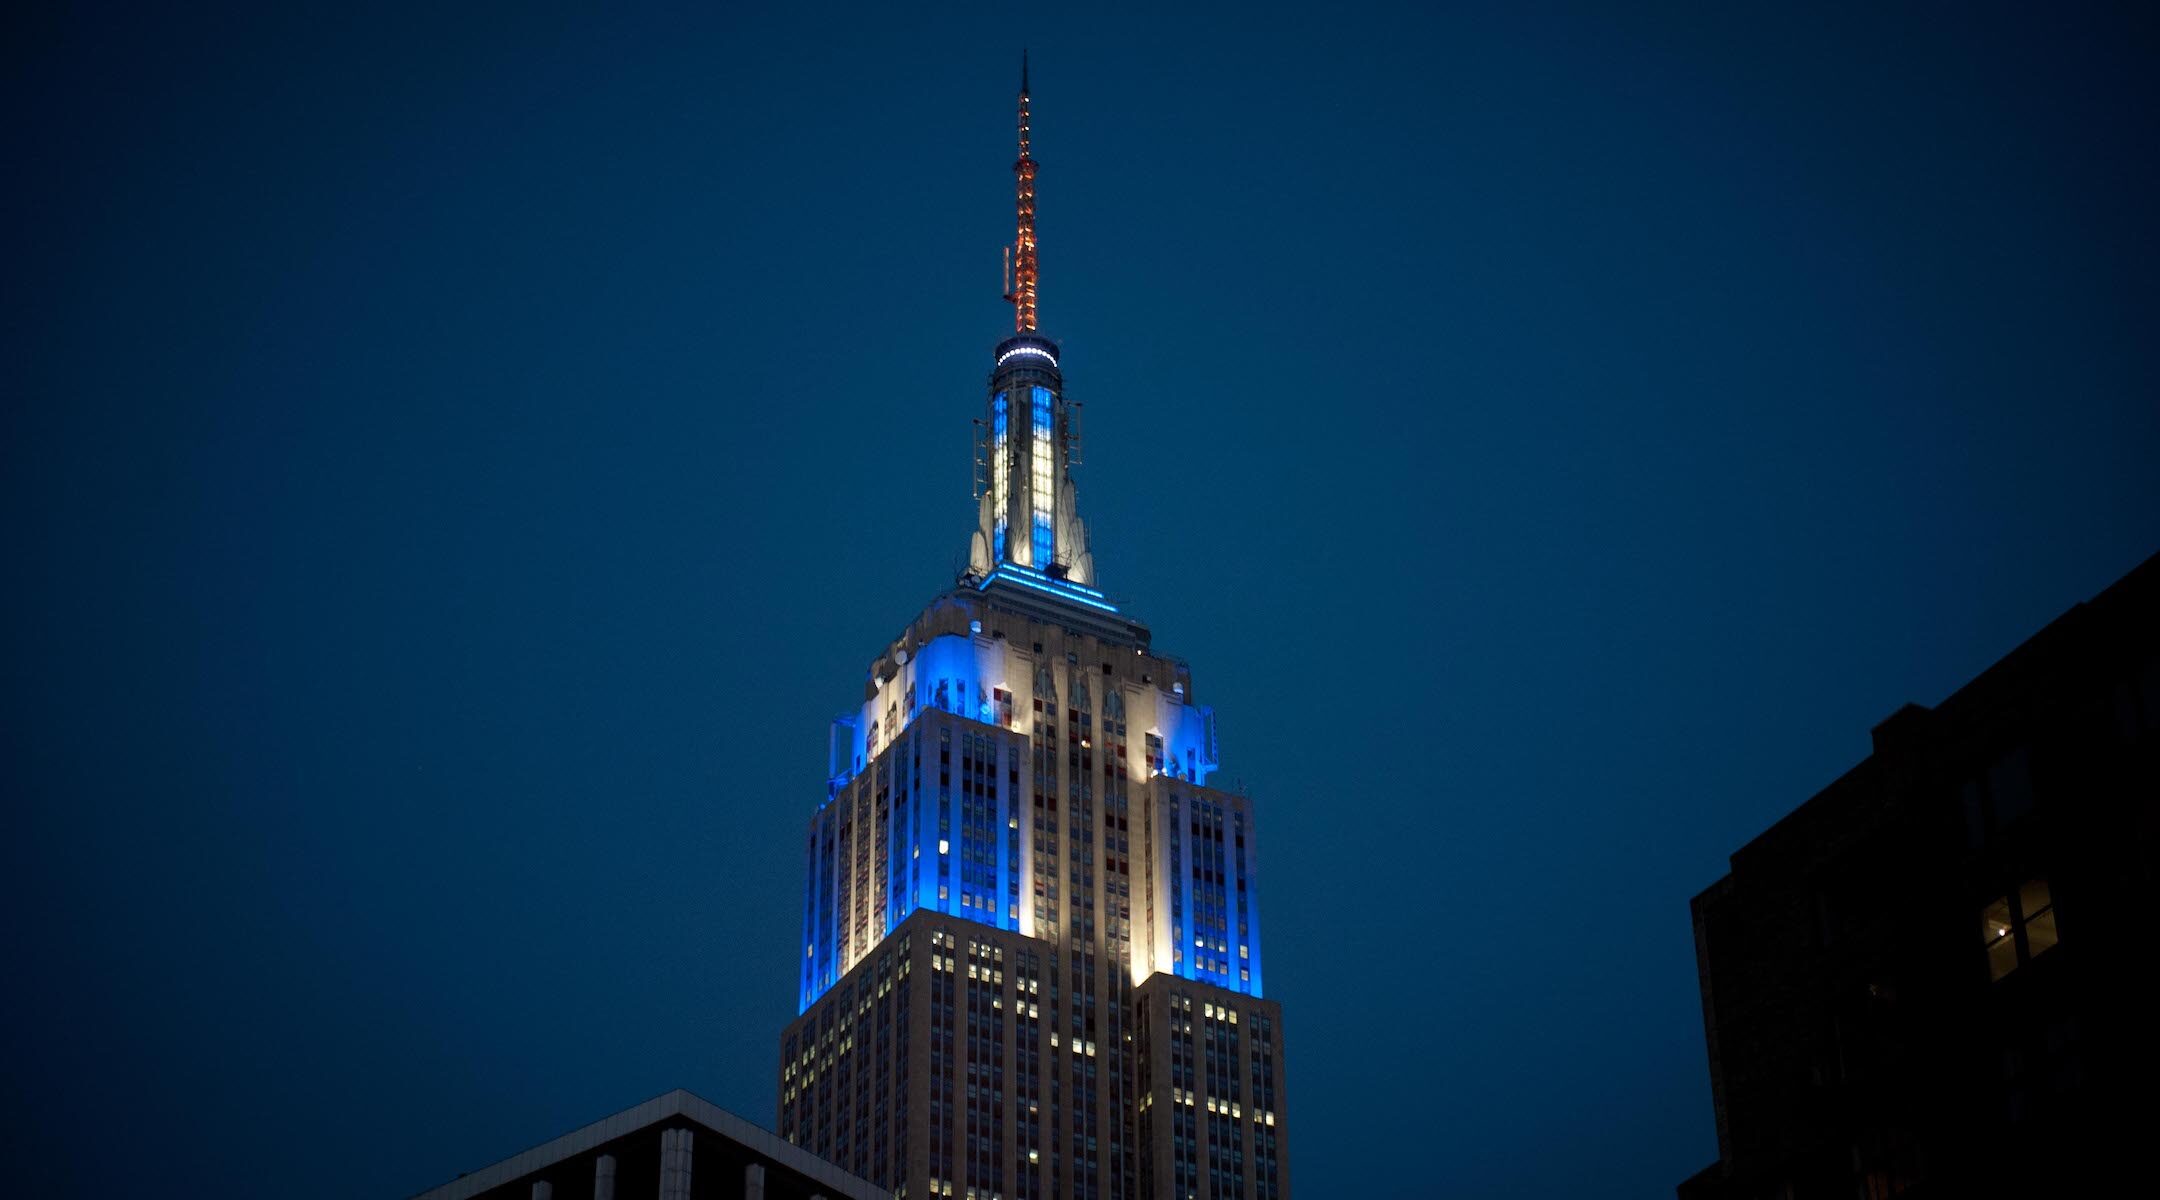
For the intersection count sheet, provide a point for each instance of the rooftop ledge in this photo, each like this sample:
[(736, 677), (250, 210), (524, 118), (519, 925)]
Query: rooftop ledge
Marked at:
[(1029, 577)]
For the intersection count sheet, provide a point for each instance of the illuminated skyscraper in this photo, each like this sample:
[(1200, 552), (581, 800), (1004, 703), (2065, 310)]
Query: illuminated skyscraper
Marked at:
[(1031, 937)]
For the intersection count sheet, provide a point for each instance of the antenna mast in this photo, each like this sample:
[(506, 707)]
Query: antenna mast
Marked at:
[(1022, 253)]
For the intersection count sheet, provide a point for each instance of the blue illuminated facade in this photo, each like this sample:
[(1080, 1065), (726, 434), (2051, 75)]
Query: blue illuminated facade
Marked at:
[(921, 813), (1002, 473), (1218, 926), (933, 783)]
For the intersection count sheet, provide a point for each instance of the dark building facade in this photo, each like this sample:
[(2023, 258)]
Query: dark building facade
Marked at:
[(1932, 978), (674, 1147)]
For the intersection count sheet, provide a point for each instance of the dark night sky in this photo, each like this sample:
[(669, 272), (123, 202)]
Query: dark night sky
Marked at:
[(456, 463)]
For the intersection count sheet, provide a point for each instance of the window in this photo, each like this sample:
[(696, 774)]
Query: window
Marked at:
[(2018, 928), (1998, 796), (2038, 908)]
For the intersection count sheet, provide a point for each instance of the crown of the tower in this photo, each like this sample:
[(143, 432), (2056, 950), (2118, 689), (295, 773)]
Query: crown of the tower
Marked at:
[(1028, 529)]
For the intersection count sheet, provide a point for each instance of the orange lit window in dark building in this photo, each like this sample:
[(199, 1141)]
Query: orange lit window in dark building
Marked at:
[(2018, 928)]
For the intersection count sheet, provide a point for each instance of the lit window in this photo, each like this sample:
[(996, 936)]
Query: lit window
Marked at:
[(2038, 910), (2018, 928), (2001, 940)]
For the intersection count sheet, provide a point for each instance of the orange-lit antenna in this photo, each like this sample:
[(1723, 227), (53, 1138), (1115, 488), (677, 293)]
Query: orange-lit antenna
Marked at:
[(1022, 294)]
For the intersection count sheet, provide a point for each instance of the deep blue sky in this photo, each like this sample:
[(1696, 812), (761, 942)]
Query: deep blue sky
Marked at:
[(456, 463)]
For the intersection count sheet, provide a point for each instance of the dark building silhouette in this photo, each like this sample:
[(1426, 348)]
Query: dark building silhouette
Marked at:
[(1931, 978), (674, 1147)]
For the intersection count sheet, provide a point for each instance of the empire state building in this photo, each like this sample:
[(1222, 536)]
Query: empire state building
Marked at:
[(1031, 964)]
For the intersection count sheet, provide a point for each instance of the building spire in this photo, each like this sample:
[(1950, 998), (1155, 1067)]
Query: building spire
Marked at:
[(1023, 251), (1028, 520)]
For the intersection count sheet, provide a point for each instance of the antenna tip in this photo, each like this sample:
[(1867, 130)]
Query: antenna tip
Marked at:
[(1023, 71)]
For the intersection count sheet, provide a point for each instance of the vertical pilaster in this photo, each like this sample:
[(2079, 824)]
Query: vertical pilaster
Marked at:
[(675, 1164), (1001, 759)]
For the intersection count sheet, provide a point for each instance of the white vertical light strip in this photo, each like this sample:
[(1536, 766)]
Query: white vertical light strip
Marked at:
[(1043, 483)]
